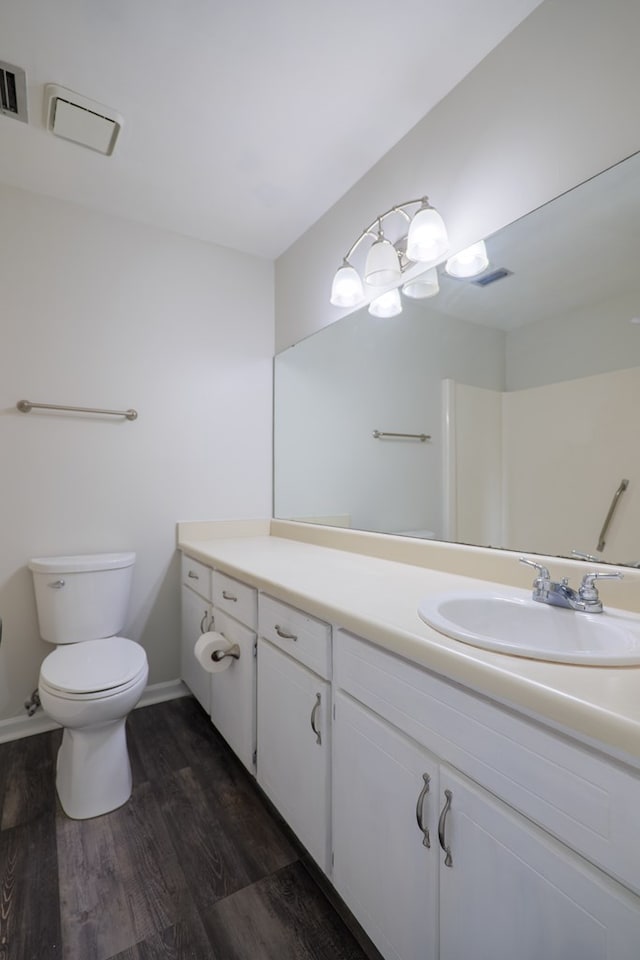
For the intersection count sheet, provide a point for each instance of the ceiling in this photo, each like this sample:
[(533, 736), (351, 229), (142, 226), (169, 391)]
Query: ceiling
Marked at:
[(245, 120)]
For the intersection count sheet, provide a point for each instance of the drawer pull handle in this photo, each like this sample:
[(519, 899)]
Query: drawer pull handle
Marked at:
[(448, 860), (284, 634), (193, 575), (426, 839), (228, 596), (203, 628), (316, 707), (219, 655)]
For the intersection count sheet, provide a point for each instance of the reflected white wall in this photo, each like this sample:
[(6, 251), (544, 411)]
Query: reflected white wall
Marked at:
[(364, 374)]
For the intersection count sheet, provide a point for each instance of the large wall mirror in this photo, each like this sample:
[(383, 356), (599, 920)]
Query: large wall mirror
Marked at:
[(528, 389)]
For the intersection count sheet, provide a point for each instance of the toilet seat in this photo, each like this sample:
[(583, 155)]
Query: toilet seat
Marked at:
[(93, 669), (102, 695)]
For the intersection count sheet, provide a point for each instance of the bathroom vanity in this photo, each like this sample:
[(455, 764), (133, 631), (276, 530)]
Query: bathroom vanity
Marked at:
[(462, 802)]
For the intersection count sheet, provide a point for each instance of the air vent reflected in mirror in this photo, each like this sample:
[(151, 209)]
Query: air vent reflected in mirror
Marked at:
[(499, 274)]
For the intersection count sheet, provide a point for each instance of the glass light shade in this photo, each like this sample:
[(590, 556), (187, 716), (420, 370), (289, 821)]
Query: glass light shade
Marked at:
[(346, 289), (469, 262), (427, 239), (382, 266), (386, 305), (426, 285)]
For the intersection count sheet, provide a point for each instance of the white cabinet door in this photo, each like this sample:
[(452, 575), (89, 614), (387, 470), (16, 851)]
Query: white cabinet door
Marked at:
[(384, 787), (196, 616), (293, 746), (233, 692), (513, 892)]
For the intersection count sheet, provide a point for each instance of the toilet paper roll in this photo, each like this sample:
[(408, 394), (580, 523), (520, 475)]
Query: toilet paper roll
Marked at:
[(213, 642)]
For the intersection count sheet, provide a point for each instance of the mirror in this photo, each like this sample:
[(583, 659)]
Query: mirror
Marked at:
[(527, 387)]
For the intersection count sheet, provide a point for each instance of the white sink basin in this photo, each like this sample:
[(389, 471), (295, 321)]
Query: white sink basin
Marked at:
[(509, 622)]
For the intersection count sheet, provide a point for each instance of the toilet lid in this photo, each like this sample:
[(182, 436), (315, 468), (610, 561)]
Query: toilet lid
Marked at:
[(93, 665)]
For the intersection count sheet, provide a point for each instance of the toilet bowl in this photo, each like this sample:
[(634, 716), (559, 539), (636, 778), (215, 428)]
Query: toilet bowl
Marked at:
[(93, 679)]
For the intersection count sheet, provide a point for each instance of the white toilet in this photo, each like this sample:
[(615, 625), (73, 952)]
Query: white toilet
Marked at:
[(93, 678)]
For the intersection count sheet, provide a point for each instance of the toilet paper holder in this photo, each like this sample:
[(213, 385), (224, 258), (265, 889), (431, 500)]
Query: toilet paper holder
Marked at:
[(233, 651)]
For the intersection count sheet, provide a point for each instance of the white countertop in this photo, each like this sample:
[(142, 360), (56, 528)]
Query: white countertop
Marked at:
[(378, 599)]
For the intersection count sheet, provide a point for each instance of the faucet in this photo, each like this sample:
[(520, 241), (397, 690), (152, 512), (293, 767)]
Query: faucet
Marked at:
[(559, 594)]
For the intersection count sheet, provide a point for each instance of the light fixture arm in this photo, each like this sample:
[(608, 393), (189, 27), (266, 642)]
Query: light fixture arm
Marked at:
[(377, 221)]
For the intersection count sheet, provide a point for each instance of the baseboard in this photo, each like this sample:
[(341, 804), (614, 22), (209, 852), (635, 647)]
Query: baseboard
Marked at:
[(15, 728), (158, 692)]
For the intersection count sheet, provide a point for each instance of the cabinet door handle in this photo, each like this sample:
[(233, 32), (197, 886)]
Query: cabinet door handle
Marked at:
[(193, 575), (283, 634), (203, 621), (228, 596), (314, 712), (448, 860), (426, 839)]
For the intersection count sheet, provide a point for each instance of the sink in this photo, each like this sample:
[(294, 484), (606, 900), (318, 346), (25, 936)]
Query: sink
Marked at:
[(511, 622)]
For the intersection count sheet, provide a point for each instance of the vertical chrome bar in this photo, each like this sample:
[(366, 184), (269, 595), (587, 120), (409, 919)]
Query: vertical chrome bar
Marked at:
[(609, 517)]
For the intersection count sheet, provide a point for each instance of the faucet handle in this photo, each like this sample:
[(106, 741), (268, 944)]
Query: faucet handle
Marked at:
[(588, 589), (543, 573)]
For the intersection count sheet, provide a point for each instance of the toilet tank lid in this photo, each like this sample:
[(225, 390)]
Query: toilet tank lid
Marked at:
[(82, 563)]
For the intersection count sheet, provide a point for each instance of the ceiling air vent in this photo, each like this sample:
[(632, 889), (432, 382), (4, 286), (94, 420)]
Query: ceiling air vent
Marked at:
[(73, 117), (13, 92), (499, 274)]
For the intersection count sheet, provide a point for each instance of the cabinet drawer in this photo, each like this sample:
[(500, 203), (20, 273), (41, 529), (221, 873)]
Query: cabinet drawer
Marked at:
[(196, 576), (298, 634), (237, 599), (589, 802)]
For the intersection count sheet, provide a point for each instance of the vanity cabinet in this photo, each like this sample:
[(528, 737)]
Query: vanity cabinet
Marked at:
[(233, 691), (211, 600), (293, 712), (513, 891), (196, 614), (385, 788), (432, 863), (451, 825)]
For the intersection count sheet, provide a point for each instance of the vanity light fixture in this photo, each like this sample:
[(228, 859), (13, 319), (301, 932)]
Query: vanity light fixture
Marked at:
[(468, 262), (426, 285), (424, 240)]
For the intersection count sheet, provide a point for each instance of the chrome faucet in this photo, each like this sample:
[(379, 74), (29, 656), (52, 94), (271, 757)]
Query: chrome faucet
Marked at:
[(559, 594)]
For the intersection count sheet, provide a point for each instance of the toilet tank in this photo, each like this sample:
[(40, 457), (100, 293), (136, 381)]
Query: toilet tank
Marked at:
[(82, 597)]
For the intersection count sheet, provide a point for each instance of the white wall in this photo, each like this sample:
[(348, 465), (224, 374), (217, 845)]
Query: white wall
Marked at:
[(97, 311), (553, 104)]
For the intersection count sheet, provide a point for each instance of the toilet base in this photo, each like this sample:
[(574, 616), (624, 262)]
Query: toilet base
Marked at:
[(93, 774)]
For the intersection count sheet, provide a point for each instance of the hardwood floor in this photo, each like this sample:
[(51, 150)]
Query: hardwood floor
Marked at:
[(195, 867)]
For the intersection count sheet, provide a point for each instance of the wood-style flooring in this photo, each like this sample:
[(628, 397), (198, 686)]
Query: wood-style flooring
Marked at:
[(196, 866)]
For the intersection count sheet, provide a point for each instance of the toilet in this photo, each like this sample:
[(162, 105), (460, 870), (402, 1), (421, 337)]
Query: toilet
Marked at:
[(93, 678)]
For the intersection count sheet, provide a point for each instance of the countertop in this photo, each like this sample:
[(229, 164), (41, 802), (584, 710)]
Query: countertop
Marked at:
[(377, 599)]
